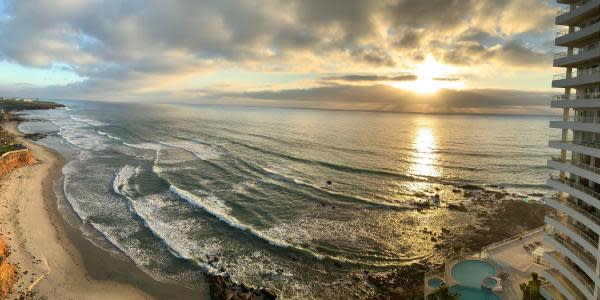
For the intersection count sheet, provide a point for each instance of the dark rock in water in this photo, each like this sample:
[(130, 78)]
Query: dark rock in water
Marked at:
[(456, 190), (223, 287), (457, 207), (35, 136), (329, 182), (471, 187)]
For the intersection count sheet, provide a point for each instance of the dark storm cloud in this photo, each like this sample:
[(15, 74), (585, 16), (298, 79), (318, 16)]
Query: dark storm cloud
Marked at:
[(387, 98)]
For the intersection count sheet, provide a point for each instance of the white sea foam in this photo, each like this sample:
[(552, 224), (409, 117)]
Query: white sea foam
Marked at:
[(108, 135), (87, 121), (145, 146), (79, 135), (176, 234), (201, 150), (217, 208), (122, 178)]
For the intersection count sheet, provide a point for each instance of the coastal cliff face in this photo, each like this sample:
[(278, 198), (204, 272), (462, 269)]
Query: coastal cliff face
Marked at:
[(8, 163), (15, 160), (7, 271)]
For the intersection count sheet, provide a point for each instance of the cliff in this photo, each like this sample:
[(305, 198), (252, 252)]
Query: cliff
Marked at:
[(7, 271), (8, 162), (15, 159)]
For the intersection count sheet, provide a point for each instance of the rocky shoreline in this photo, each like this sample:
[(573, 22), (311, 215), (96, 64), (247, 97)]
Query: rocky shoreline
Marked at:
[(490, 214), (223, 287), (496, 213)]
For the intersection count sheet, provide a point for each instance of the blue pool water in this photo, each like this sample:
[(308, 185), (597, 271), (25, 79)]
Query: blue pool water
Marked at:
[(471, 273), (489, 282), (471, 293), (435, 282)]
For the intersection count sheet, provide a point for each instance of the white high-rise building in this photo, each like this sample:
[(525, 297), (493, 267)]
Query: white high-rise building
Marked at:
[(575, 265)]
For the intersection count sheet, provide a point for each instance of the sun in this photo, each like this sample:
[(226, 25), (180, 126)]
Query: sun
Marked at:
[(431, 77)]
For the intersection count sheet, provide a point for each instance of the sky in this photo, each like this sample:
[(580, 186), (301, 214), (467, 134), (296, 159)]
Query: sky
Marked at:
[(438, 56)]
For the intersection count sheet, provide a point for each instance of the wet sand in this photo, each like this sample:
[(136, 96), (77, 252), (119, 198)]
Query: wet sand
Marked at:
[(53, 259)]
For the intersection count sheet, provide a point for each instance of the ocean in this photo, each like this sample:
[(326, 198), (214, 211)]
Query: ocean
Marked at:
[(297, 200)]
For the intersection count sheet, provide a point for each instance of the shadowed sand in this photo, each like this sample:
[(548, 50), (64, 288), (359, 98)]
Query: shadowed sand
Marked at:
[(54, 261)]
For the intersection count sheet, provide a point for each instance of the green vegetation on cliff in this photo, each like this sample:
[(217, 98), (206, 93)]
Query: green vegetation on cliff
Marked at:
[(9, 104)]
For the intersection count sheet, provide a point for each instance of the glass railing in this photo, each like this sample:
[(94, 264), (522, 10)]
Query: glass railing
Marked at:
[(564, 282), (577, 51), (577, 74), (582, 277), (562, 33), (578, 209), (576, 250), (577, 186), (560, 76), (576, 97), (560, 55), (582, 234), (563, 11), (581, 119), (592, 144)]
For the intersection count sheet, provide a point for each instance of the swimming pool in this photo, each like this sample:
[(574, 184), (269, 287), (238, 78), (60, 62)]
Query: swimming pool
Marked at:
[(471, 293), (489, 282), (435, 282), (471, 272)]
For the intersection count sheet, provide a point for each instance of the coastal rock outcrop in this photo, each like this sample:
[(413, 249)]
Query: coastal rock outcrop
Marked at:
[(16, 159), (223, 287)]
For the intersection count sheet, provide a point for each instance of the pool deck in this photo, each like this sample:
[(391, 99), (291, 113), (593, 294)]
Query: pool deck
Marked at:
[(509, 257), (513, 259)]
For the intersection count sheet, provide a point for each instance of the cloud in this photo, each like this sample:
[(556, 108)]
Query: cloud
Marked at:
[(136, 48), (355, 77), (387, 98)]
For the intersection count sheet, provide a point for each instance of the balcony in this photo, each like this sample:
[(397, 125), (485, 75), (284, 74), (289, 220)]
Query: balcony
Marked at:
[(579, 37), (576, 101), (576, 79), (576, 212), (591, 148), (579, 236), (563, 285), (549, 292), (576, 59), (566, 16), (581, 123), (574, 189), (574, 253), (575, 277), (574, 167)]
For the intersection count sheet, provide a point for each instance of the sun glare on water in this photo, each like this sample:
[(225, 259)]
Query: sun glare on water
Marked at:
[(431, 77)]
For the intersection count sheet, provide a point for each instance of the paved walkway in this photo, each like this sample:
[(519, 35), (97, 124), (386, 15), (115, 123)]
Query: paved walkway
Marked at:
[(515, 260)]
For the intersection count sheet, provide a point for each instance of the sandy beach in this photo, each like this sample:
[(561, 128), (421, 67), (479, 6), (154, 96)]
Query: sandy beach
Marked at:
[(49, 265)]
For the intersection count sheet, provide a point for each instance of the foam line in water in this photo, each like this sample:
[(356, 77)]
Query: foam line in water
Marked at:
[(108, 135), (85, 120), (122, 178), (201, 150), (145, 146), (296, 181)]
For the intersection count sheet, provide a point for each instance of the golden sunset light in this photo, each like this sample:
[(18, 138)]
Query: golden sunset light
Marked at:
[(300, 149)]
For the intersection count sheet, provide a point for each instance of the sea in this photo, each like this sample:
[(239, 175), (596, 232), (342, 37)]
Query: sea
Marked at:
[(296, 200)]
